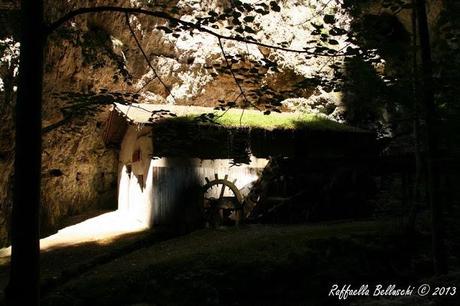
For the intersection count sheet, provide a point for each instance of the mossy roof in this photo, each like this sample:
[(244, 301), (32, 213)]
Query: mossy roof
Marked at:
[(232, 118), (193, 131)]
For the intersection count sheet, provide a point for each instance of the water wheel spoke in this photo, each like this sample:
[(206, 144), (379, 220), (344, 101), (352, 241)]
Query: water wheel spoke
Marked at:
[(222, 191)]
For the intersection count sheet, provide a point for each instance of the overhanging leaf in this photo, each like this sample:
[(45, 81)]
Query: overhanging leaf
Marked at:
[(329, 19)]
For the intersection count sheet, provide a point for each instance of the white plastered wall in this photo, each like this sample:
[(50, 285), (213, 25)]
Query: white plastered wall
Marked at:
[(137, 202), (135, 190)]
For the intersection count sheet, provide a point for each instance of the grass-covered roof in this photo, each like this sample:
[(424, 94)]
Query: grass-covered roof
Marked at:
[(203, 132), (232, 118)]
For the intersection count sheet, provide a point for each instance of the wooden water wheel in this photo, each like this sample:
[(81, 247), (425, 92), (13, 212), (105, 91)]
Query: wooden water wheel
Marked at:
[(223, 202)]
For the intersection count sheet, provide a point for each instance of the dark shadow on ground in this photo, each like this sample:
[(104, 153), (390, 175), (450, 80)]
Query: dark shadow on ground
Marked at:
[(62, 264), (256, 265)]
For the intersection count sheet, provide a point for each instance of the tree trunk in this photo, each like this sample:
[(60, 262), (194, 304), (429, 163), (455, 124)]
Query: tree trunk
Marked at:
[(431, 142), (23, 288), (416, 196)]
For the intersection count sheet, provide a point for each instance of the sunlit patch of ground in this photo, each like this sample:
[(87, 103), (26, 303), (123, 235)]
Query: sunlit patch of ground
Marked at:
[(102, 229)]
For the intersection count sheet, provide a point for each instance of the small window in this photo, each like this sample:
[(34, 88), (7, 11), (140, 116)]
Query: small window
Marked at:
[(136, 155)]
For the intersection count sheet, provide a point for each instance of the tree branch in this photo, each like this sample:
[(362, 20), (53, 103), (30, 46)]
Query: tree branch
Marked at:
[(53, 126), (131, 10), (333, 57), (146, 57), (229, 67)]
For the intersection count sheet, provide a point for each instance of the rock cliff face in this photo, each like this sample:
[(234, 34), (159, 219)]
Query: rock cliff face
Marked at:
[(95, 52)]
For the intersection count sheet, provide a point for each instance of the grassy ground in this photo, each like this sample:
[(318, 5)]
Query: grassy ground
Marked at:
[(252, 265)]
